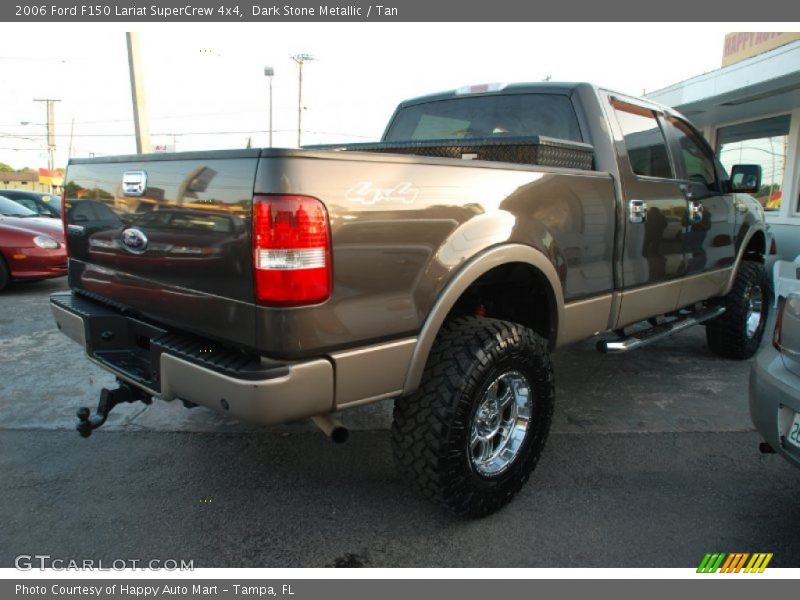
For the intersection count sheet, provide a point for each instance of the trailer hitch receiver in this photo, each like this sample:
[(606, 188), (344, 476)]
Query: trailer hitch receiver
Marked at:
[(108, 400)]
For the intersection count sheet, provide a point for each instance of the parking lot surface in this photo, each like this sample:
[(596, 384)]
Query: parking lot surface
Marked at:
[(652, 461)]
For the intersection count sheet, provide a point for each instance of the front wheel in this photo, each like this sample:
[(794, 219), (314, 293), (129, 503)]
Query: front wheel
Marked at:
[(738, 331), (469, 438)]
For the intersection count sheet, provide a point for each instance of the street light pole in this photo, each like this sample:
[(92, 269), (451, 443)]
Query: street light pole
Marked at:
[(269, 72), (300, 59)]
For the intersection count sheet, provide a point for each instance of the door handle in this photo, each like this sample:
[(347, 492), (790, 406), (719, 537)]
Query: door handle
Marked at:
[(687, 192), (637, 211), (695, 211)]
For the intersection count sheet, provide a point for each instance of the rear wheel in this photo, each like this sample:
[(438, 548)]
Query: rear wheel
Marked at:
[(469, 438), (737, 333)]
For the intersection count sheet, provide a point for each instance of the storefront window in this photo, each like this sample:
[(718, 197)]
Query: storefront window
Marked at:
[(764, 142)]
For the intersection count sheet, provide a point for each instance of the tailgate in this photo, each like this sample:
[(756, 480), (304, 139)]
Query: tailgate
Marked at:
[(172, 243)]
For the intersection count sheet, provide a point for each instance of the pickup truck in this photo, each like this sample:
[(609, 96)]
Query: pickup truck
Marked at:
[(438, 268)]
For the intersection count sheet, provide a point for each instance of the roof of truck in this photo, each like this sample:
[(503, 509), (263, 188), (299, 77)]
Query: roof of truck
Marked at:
[(549, 87)]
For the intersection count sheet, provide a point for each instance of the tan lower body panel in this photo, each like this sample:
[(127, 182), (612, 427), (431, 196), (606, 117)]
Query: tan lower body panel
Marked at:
[(373, 373), (70, 325), (651, 301), (661, 298), (584, 318), (306, 391), (706, 285)]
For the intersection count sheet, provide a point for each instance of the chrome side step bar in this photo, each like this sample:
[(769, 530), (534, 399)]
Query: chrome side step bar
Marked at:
[(658, 332)]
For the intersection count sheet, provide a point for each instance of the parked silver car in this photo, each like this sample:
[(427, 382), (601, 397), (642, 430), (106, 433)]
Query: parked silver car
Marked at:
[(775, 384)]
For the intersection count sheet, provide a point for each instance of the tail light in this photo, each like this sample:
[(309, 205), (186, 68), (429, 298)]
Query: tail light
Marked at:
[(776, 335), (291, 250), (773, 248)]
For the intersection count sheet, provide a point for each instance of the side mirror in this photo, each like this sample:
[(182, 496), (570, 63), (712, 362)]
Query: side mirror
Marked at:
[(746, 178)]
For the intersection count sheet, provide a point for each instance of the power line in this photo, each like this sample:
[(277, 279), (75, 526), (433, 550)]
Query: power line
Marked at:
[(168, 134)]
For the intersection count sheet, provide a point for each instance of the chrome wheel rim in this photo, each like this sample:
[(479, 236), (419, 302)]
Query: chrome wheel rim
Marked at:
[(500, 423), (754, 308)]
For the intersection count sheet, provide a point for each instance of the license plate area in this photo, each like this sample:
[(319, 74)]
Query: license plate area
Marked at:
[(793, 435)]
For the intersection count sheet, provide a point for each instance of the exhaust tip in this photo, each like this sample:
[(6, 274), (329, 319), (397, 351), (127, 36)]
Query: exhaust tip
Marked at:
[(331, 427), (340, 435)]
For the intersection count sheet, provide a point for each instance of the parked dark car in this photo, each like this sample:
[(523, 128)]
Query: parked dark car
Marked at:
[(44, 205), (31, 247)]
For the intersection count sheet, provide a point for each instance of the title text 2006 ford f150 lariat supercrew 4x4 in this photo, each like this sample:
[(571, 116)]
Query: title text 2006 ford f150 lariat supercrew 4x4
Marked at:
[(438, 268)]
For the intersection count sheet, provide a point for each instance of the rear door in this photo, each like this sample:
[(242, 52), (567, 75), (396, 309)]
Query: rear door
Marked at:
[(654, 212)]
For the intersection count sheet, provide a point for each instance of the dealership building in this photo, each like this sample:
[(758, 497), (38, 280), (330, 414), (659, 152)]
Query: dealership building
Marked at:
[(749, 110)]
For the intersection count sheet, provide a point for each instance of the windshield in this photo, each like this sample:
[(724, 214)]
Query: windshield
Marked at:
[(550, 115), (9, 208), (51, 199)]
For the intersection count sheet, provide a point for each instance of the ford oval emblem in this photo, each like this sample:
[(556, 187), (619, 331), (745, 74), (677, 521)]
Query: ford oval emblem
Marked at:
[(134, 240)]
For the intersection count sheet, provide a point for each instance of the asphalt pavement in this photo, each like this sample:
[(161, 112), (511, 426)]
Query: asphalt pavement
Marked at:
[(652, 462)]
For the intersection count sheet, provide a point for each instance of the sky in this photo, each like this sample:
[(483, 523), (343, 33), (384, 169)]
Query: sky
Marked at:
[(205, 86)]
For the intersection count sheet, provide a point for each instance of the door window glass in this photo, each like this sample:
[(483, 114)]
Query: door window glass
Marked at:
[(644, 140), (694, 159)]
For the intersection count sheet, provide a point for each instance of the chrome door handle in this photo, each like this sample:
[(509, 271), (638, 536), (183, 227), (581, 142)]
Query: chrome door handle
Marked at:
[(637, 211), (695, 211)]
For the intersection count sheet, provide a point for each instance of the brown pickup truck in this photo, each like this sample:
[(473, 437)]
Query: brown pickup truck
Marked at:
[(438, 268)]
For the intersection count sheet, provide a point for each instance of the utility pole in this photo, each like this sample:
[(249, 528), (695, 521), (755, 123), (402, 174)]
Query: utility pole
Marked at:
[(269, 72), (300, 59), (51, 133), (137, 95), (71, 135)]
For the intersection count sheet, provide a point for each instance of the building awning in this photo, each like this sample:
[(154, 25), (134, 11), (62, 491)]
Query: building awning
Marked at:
[(768, 83)]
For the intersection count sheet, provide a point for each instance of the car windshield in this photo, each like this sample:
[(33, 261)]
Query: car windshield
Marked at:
[(51, 199), (9, 208)]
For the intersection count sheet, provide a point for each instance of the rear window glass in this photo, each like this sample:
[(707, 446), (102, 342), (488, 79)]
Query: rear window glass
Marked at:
[(467, 117)]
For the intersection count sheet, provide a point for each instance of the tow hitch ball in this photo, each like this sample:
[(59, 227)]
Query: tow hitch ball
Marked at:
[(108, 400)]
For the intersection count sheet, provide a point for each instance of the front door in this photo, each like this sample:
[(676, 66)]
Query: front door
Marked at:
[(711, 222)]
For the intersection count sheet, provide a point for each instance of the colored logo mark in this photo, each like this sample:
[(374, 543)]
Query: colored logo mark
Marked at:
[(738, 562)]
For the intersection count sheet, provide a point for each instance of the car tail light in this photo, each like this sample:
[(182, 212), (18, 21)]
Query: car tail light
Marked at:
[(776, 335), (773, 248), (291, 250)]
